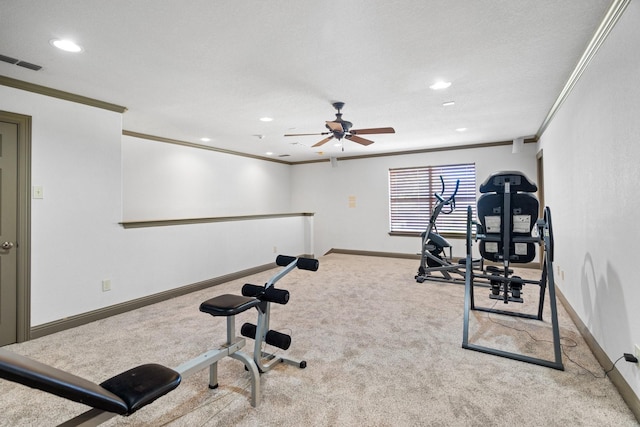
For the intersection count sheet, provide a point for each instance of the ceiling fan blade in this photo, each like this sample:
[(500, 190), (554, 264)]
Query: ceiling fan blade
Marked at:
[(306, 134), (324, 141), (335, 126), (359, 140), (372, 130)]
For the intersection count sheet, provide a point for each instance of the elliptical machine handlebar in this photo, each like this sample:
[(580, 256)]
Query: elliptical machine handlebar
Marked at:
[(438, 196), (451, 199)]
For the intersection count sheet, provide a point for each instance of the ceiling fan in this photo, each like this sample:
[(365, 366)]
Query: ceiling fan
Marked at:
[(340, 128)]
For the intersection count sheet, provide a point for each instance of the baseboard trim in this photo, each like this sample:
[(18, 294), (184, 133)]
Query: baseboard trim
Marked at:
[(102, 313), (372, 253), (625, 390)]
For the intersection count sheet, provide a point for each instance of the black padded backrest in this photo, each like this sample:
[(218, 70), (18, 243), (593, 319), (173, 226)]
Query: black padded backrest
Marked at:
[(122, 394), (31, 373), (519, 183), (524, 214)]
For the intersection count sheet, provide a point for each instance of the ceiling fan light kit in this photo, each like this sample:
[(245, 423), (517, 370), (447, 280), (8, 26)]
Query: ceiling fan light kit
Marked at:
[(340, 128)]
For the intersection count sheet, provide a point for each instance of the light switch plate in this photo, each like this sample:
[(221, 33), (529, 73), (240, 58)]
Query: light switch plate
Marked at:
[(38, 192)]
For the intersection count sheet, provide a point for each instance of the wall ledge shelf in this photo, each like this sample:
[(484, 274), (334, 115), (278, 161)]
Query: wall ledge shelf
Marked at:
[(201, 220)]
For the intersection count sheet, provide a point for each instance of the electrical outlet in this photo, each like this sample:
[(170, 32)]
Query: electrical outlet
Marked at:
[(106, 285), (275, 249)]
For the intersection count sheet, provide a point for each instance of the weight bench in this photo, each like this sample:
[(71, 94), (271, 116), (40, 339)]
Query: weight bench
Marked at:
[(129, 391)]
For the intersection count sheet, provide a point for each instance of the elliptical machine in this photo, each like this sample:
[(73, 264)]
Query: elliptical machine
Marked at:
[(433, 256)]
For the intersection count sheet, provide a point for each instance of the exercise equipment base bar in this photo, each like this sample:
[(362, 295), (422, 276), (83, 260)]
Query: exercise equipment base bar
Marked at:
[(506, 312), (92, 417), (445, 269), (515, 356), (455, 280)]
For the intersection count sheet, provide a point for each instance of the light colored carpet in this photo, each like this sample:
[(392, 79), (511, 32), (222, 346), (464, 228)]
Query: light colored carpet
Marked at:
[(382, 350)]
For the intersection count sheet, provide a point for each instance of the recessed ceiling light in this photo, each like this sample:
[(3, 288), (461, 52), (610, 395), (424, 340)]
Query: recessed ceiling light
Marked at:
[(266, 119), (461, 129), (269, 153), (66, 45), (440, 85), (205, 139), (448, 104)]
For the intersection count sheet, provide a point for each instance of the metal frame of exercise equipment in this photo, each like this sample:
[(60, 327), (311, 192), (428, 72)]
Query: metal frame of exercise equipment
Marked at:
[(14, 367), (433, 244), (266, 361), (545, 237)]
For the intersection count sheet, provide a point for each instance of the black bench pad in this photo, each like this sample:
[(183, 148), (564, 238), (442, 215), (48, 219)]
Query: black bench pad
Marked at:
[(142, 385), (153, 380), (228, 305)]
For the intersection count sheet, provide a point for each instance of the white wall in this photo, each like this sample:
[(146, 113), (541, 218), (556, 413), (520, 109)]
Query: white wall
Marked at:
[(77, 241), (75, 158), (168, 181), (325, 190), (591, 153)]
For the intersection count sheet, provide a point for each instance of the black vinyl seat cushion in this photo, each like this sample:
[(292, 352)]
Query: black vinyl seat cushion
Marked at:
[(228, 305)]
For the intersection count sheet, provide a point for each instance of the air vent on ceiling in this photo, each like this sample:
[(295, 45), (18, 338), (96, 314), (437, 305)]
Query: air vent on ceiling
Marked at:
[(9, 59), (284, 155), (29, 65), (20, 63)]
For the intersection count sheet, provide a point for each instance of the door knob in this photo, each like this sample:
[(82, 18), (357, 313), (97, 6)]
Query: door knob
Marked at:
[(7, 245)]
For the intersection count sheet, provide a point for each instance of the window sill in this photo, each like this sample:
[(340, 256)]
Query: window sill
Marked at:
[(417, 234)]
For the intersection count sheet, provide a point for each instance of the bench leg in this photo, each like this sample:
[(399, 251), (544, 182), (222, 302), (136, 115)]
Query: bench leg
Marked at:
[(255, 376), (213, 376)]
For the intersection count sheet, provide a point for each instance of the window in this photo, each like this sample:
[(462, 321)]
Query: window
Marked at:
[(411, 197)]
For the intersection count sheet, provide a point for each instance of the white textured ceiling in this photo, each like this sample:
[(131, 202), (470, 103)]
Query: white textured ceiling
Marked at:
[(196, 68)]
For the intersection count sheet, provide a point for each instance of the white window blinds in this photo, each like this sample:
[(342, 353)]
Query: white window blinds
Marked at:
[(411, 197)]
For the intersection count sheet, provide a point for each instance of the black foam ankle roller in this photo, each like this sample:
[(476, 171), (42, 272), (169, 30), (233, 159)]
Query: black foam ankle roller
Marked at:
[(249, 290), (308, 264), (270, 294), (278, 339), (248, 330), (284, 260), (274, 338), (279, 296)]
